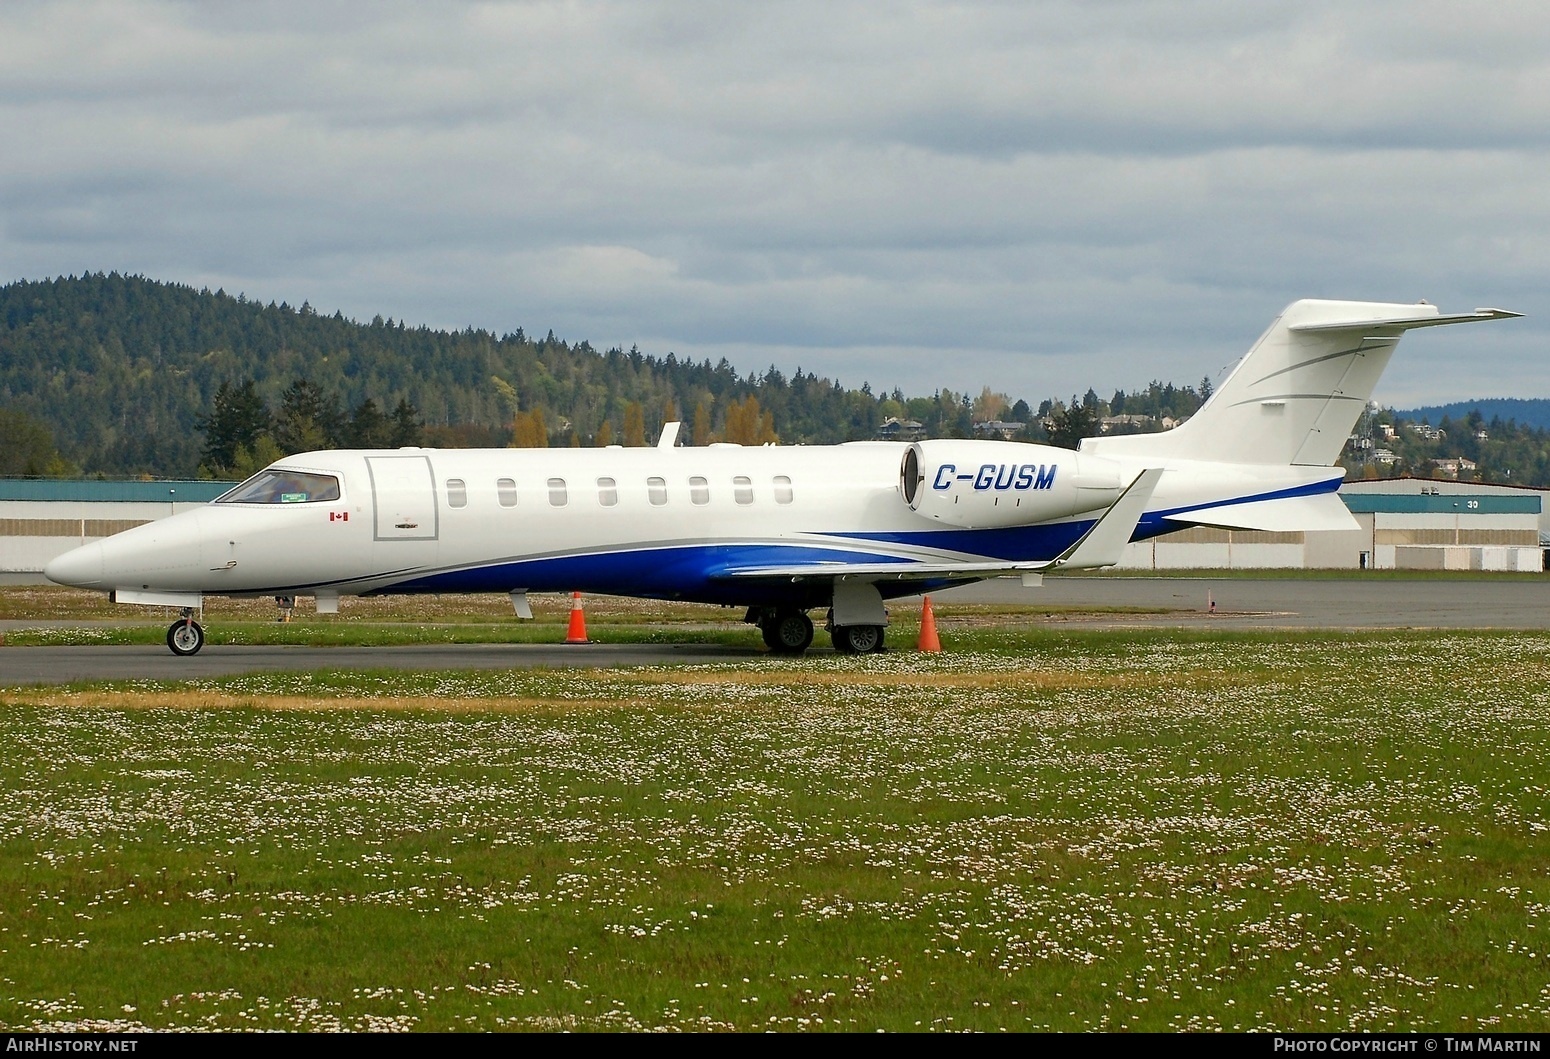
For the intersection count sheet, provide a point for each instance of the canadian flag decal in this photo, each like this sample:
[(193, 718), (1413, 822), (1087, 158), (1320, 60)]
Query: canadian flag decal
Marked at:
[(339, 516)]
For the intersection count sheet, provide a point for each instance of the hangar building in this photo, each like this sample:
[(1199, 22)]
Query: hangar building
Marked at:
[(1405, 524), (42, 518)]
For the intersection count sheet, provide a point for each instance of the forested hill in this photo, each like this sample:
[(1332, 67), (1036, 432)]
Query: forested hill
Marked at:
[(121, 368), (121, 375), (1525, 412)]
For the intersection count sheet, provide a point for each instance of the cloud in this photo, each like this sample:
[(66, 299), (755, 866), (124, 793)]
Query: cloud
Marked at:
[(1040, 197)]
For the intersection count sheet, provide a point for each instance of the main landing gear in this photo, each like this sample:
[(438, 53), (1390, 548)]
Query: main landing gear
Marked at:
[(857, 639), (185, 637), (788, 631)]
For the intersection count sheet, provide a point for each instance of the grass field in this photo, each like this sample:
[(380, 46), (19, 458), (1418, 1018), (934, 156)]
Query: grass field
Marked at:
[(1147, 830), (72, 617)]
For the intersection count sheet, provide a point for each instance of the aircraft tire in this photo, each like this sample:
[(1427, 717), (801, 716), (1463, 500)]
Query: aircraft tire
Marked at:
[(767, 630), (789, 632), (185, 637), (858, 639)]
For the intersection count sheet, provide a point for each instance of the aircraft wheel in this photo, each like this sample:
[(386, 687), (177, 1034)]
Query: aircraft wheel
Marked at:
[(767, 629), (185, 637), (789, 632), (858, 639)]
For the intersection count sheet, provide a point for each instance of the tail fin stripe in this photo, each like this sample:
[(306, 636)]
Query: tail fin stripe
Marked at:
[(1262, 398), (1363, 348)]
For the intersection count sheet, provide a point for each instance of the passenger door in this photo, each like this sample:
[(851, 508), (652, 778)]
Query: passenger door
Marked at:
[(403, 490)]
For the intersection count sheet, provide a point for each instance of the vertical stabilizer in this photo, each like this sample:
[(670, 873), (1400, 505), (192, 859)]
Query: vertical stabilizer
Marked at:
[(1295, 396)]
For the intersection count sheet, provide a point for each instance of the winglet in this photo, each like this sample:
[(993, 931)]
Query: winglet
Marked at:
[(1105, 542), (669, 436)]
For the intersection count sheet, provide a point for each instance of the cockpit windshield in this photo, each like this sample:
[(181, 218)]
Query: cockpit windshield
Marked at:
[(276, 485)]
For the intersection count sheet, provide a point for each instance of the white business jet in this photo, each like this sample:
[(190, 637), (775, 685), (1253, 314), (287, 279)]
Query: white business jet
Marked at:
[(780, 530)]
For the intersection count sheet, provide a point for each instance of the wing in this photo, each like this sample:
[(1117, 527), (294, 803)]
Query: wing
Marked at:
[(1102, 545)]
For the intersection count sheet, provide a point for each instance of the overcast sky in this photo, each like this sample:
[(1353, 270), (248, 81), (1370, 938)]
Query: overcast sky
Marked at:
[(1038, 197)]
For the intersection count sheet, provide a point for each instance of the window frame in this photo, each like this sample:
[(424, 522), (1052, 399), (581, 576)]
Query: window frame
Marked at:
[(234, 494)]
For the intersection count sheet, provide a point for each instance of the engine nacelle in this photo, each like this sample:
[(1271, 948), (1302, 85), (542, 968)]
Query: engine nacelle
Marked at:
[(990, 484)]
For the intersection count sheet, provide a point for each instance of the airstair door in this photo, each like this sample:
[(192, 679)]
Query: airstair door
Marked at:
[(403, 489)]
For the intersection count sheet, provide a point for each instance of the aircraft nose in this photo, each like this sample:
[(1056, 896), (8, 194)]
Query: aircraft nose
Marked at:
[(80, 567)]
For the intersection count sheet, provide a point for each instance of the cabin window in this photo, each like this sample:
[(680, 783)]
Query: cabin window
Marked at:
[(782, 489), (607, 492), (742, 489), (699, 490), (557, 492), (506, 491), (656, 490), (276, 485), (457, 492)]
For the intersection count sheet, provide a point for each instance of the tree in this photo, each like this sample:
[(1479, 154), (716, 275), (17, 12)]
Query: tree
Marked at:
[(989, 406), (701, 436), (529, 431), (634, 424), (604, 436), (405, 427), (246, 464), (368, 427), (508, 396), (27, 446), (1070, 425), (307, 419), (239, 418), (747, 425)]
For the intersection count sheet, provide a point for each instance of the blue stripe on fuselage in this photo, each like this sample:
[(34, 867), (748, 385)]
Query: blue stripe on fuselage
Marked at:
[(688, 572), (695, 572)]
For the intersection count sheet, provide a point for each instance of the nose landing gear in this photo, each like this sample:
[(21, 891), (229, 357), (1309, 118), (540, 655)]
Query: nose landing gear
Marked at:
[(185, 637)]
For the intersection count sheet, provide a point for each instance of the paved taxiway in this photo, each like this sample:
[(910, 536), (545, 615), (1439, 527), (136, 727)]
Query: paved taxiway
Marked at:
[(1182, 602)]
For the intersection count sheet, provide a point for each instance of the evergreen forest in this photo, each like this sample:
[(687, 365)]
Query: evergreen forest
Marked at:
[(115, 375)]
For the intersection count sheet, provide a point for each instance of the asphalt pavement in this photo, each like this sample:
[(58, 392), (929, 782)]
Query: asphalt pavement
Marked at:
[(1221, 603)]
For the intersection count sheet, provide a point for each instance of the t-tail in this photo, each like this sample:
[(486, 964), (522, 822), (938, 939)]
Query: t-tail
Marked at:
[(1295, 397)]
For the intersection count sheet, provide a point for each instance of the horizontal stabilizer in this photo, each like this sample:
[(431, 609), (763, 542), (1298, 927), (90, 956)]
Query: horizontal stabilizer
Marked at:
[(1325, 511), (1407, 323)]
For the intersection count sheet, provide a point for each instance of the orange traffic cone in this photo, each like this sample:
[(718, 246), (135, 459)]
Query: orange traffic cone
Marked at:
[(577, 633), (928, 640)]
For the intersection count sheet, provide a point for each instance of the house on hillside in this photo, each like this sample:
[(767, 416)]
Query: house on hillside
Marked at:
[(996, 428), (1452, 466), (896, 429)]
